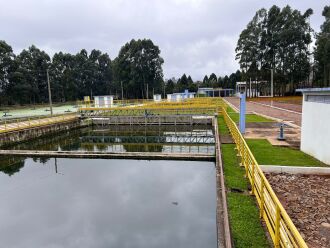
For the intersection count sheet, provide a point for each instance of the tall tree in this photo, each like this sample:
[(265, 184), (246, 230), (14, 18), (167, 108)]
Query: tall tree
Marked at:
[(64, 85), (276, 39), (322, 51), (29, 80), (139, 68), (7, 67), (213, 80)]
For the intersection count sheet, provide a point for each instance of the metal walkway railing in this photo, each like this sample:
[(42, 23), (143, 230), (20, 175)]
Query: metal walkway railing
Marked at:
[(21, 125), (281, 228)]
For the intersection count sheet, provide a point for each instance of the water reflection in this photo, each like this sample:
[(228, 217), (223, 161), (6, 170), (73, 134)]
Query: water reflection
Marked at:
[(189, 139), (109, 203)]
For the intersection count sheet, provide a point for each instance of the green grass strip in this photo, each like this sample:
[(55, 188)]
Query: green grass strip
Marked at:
[(233, 172), (223, 129), (245, 223), (249, 118), (246, 227), (267, 154)]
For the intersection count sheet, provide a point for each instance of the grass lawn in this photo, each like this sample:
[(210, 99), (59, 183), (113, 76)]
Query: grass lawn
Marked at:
[(245, 223), (230, 109), (222, 125), (267, 154), (249, 118), (246, 227)]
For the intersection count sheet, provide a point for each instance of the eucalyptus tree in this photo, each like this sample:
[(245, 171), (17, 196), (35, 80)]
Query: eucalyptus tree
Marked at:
[(7, 67), (29, 81), (64, 85), (276, 39), (322, 51), (138, 68)]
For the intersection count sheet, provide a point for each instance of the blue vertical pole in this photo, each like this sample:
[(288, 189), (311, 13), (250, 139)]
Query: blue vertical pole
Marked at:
[(242, 109)]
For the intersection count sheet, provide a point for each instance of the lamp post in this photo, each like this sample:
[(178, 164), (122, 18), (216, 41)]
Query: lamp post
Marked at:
[(271, 81), (49, 94)]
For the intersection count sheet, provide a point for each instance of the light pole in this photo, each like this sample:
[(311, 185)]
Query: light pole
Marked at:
[(271, 81), (49, 94)]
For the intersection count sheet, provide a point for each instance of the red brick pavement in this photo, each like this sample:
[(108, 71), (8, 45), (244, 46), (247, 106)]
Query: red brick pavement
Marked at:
[(269, 111)]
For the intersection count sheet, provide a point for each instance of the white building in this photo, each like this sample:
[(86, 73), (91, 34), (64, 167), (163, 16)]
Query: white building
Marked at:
[(315, 126), (157, 97), (103, 101), (254, 88), (177, 97), (215, 92)]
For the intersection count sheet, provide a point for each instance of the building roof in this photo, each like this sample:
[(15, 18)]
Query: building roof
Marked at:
[(310, 90)]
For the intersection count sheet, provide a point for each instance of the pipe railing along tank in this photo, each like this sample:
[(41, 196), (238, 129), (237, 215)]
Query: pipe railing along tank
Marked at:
[(20, 125), (281, 228)]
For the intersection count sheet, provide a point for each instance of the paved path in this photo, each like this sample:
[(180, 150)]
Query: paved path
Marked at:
[(286, 116), (284, 105)]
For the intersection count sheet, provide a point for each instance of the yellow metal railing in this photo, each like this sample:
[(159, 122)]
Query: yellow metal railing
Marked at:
[(20, 125), (281, 228), (195, 103)]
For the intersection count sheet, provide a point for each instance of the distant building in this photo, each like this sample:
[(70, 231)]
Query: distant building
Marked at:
[(315, 126), (177, 97), (103, 101), (253, 88), (215, 92), (157, 97)]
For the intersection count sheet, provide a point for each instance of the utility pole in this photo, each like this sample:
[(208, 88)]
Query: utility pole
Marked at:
[(122, 90), (49, 94), (250, 92), (272, 82)]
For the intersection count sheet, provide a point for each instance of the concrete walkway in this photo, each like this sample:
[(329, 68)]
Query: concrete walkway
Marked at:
[(113, 155), (20, 125), (289, 117)]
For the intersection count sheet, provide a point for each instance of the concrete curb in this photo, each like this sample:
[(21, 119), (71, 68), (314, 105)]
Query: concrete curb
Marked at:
[(296, 170)]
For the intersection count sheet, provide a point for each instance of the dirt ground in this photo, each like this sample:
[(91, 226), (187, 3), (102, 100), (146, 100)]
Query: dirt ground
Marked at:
[(307, 201), (270, 131)]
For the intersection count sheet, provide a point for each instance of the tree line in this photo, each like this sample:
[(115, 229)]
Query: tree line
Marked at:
[(23, 77), (280, 40), (275, 39)]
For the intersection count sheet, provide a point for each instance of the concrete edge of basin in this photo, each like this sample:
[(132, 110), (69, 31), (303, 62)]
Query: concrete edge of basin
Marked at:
[(296, 170)]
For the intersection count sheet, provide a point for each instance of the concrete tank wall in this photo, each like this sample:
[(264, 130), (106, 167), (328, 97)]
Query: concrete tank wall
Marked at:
[(315, 130)]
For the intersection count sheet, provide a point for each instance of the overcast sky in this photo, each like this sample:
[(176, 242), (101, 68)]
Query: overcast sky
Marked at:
[(196, 37)]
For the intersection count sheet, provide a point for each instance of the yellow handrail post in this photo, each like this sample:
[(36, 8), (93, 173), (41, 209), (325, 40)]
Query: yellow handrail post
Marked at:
[(277, 226), (262, 198), (253, 179), (281, 228)]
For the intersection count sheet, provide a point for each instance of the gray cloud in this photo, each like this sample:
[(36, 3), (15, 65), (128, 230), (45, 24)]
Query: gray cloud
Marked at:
[(197, 37)]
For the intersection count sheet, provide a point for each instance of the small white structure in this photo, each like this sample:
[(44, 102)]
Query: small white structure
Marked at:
[(315, 126), (103, 101), (157, 97), (177, 97)]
